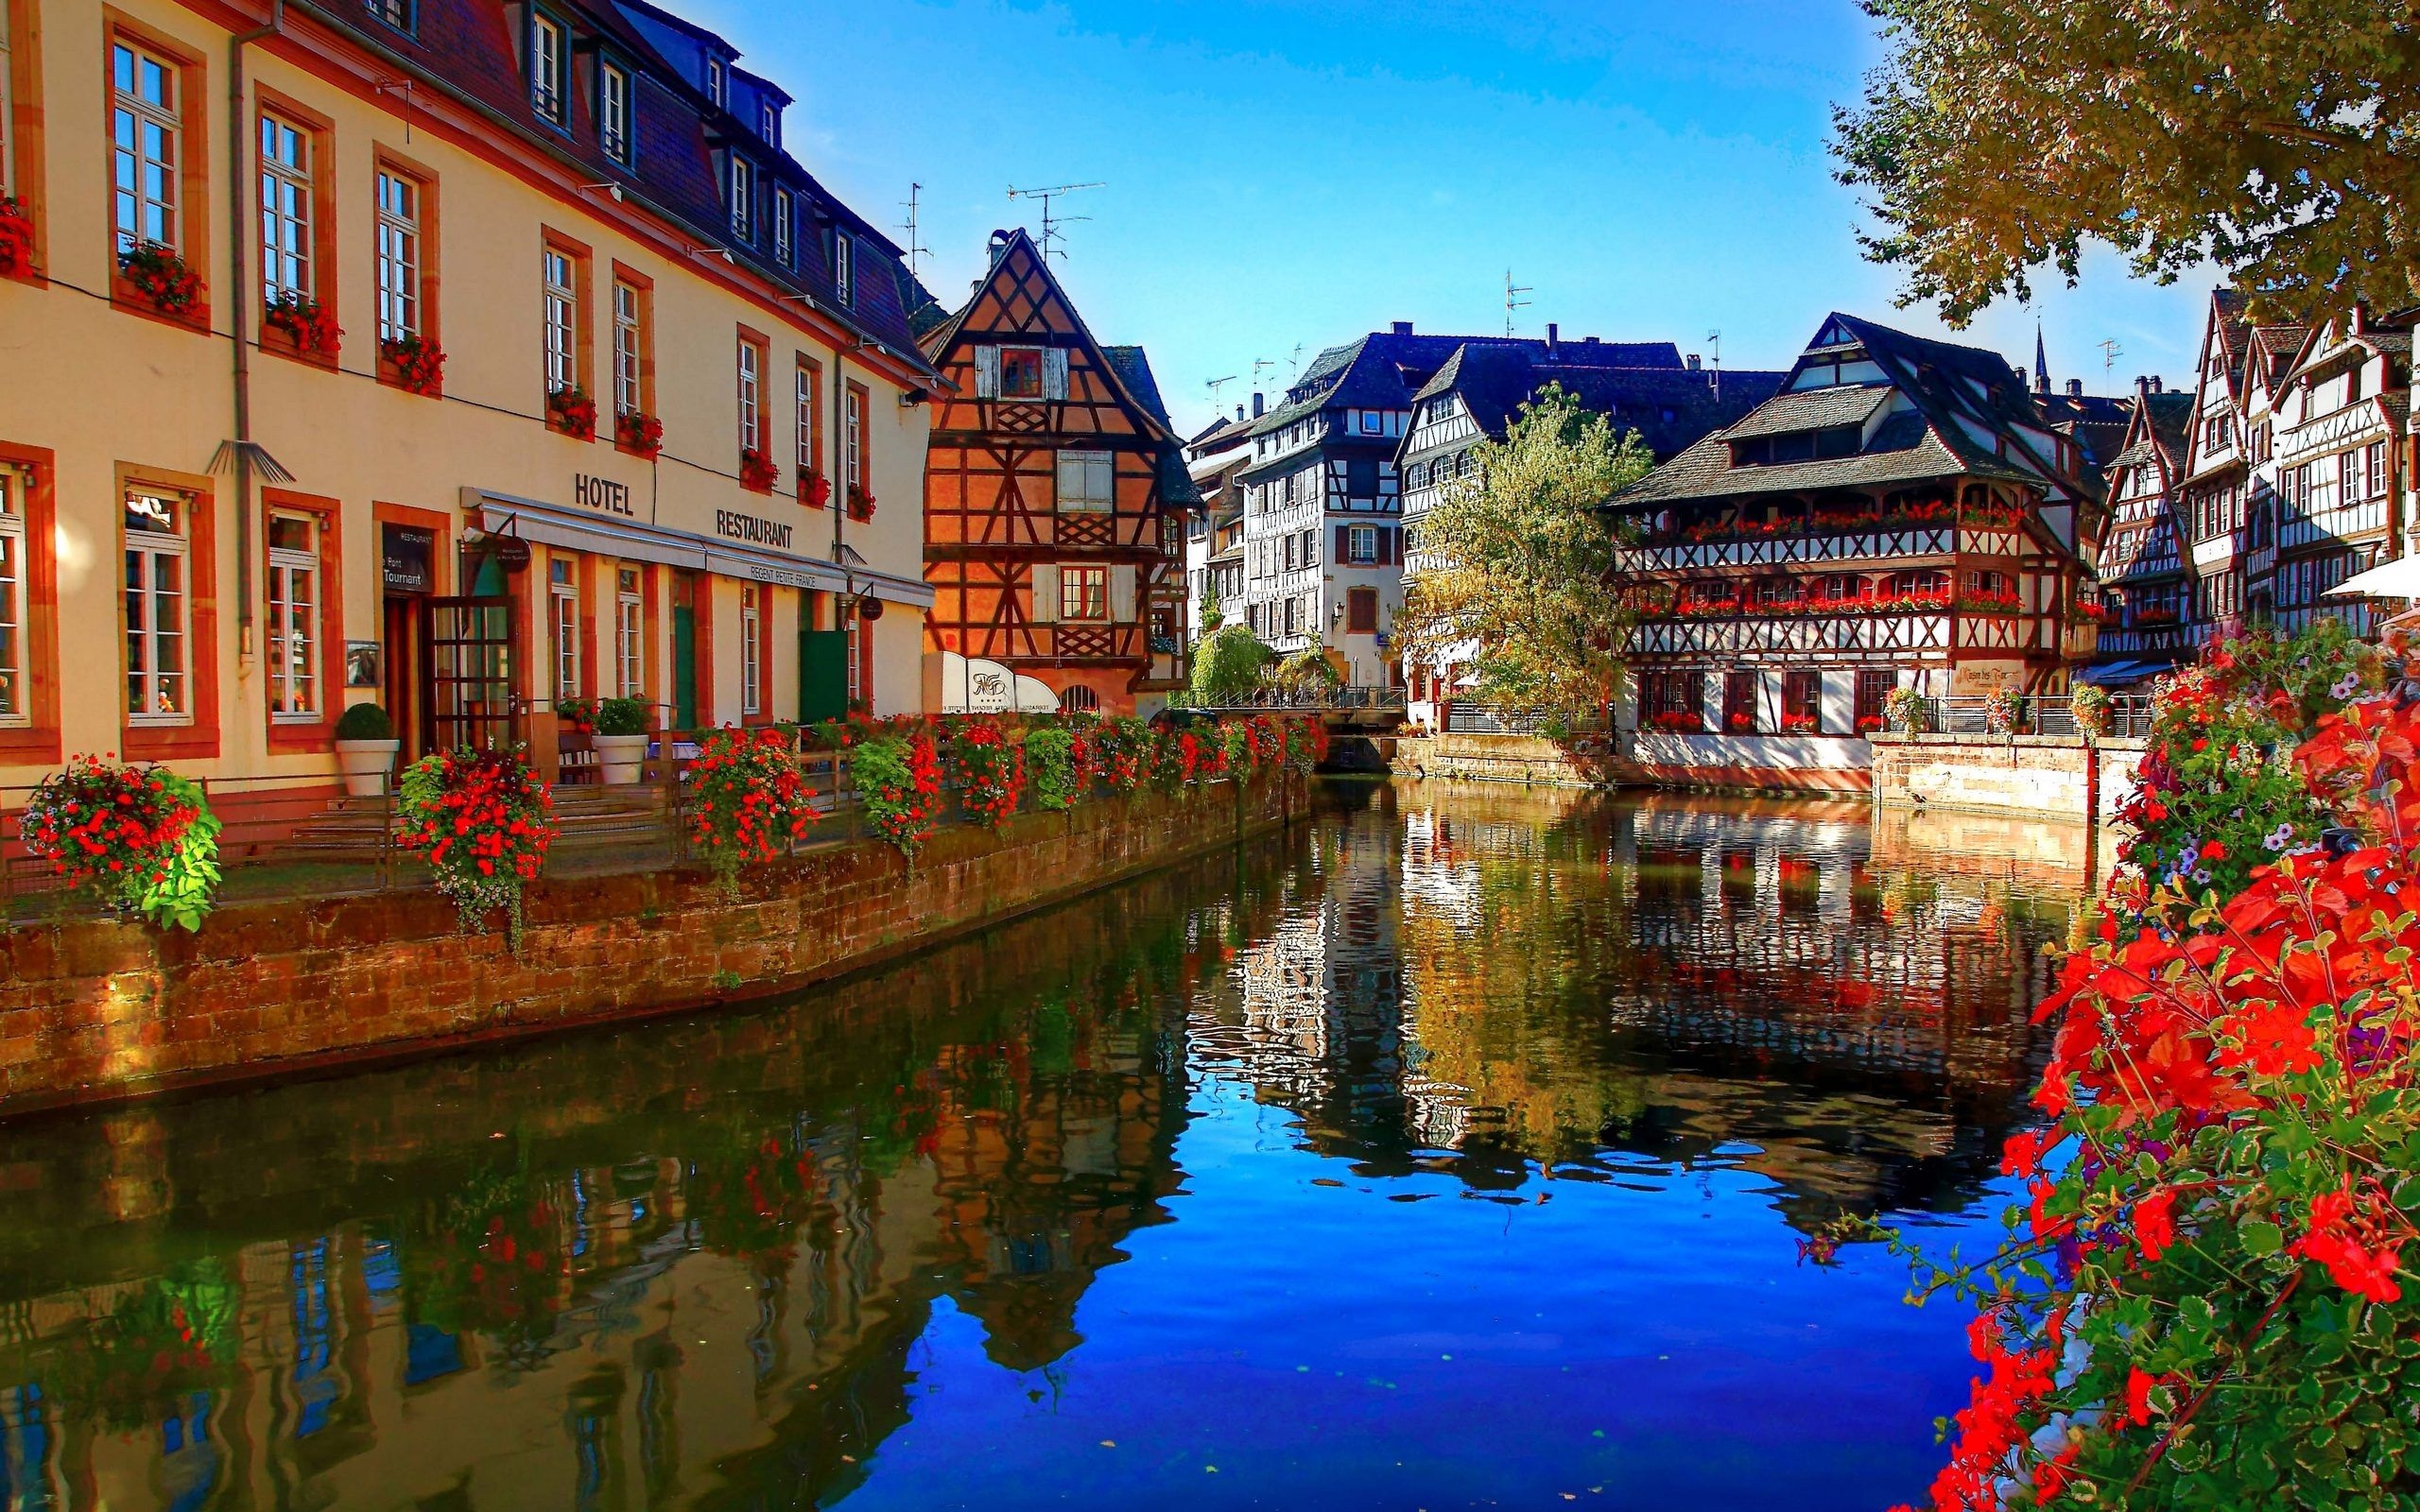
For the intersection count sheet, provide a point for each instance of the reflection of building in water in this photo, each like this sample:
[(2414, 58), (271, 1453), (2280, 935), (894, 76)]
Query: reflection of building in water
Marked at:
[(690, 1273)]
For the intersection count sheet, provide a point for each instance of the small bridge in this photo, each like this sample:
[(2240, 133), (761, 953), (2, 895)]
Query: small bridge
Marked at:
[(1369, 712)]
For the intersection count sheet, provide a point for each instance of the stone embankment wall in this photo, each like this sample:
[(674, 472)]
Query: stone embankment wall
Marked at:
[(95, 1010), (2039, 777), (1504, 759)]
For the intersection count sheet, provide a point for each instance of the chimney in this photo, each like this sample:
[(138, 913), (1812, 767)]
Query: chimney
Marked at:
[(2075, 389), (999, 239), (1239, 412), (1692, 360), (1589, 341), (1554, 336), (1403, 328), (2155, 389), (2360, 317), (1258, 401)]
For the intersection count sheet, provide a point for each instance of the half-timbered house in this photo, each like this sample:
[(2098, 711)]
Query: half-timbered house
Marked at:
[(2141, 568), (2338, 418), (1901, 515), (1054, 490)]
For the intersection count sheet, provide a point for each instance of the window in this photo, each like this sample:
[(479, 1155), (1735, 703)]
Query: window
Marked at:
[(743, 191), (1361, 479), (294, 642), (1874, 685), (2352, 477), (14, 707), (717, 89), (751, 625), (1083, 592), (146, 128), (807, 382), (562, 607), (1311, 546), (1088, 482), (782, 227), (158, 682), (400, 206), (1739, 702), (1361, 610), (752, 396), (547, 52), (1802, 701), (396, 13), (1290, 551), (285, 210), (844, 266), (629, 348), (770, 123), (1080, 700), (1672, 701), (561, 320), (2376, 459), (614, 112), (853, 440), (1020, 372), (1361, 544), (630, 634), (1372, 422)]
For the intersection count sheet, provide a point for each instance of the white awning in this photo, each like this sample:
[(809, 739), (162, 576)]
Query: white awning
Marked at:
[(635, 540), (2399, 579)]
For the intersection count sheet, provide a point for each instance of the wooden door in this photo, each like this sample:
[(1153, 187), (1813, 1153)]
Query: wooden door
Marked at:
[(467, 656)]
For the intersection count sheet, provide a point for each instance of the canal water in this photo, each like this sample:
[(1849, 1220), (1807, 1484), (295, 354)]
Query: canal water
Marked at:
[(1452, 1151)]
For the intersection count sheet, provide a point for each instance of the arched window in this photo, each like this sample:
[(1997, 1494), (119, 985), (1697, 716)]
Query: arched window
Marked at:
[(1079, 700)]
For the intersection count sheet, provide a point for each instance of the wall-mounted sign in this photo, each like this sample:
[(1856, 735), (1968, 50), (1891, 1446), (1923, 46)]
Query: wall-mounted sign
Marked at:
[(733, 525), (512, 553), (603, 495), (365, 665), (406, 555)]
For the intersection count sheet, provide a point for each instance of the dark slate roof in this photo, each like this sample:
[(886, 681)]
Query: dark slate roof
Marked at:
[(464, 48), (1812, 409), (1670, 407), (1943, 381), (1386, 370), (1177, 488)]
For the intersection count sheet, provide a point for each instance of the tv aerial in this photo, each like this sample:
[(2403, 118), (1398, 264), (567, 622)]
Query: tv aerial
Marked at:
[(1051, 221)]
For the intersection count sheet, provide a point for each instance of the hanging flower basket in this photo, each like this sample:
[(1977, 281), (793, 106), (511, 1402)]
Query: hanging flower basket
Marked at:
[(571, 412), (141, 837), (898, 783), (1059, 764), (758, 473), (748, 798), (2002, 709), (304, 321), (1907, 709), (16, 236), (416, 364), (2090, 705), (159, 277), (639, 433), (484, 822), (989, 770), (814, 490)]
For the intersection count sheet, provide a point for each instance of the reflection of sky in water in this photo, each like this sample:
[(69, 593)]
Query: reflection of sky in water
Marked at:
[(1453, 1152)]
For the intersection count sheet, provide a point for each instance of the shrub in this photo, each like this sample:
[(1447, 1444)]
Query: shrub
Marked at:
[(1227, 666), (1906, 707), (141, 837), (483, 822), (989, 772), (1306, 743), (1057, 767), (747, 799), (577, 716), (365, 721), (1122, 749), (898, 783), (621, 717), (1307, 671)]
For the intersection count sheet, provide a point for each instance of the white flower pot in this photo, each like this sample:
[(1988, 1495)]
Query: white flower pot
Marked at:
[(366, 764), (621, 756)]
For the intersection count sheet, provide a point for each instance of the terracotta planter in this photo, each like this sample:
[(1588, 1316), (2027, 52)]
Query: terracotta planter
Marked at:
[(621, 756), (366, 764)]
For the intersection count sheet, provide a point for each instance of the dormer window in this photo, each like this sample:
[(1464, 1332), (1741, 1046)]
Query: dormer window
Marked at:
[(396, 13), (743, 197), (782, 227), (614, 112), (769, 125), (844, 266), (717, 85), (549, 49)]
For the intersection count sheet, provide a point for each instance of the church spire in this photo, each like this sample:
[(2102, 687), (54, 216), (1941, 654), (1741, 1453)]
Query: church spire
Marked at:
[(2041, 361)]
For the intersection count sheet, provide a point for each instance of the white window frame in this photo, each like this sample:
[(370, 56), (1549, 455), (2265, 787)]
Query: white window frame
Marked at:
[(561, 280), (549, 48), (614, 111), (804, 386), (287, 265), (751, 620), (14, 684), (1086, 482), (396, 13), (562, 616), (752, 396), (146, 138), (629, 632), (630, 348), (782, 213), (743, 195), (769, 116), (149, 557), (399, 198), (717, 88), (844, 266), (294, 620), (853, 441), (1354, 537)]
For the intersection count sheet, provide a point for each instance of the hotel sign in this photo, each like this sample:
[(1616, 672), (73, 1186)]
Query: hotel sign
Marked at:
[(603, 495)]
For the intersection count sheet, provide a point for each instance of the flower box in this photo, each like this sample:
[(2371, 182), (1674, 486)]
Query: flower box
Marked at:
[(155, 274), (302, 326), (814, 490), (639, 434), (16, 237), (758, 473), (415, 364), (571, 412), (861, 503)]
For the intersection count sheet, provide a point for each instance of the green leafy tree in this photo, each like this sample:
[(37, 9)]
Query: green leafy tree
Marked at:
[(1212, 615), (1514, 557), (1227, 666), (2283, 142)]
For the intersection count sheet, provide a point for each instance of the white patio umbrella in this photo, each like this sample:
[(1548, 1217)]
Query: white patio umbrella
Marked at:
[(2399, 579)]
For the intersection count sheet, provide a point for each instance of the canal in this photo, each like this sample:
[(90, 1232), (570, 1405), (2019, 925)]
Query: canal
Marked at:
[(1454, 1150)]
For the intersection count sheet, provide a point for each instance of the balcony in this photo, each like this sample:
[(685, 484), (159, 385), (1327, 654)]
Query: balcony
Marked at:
[(1895, 545), (1807, 635)]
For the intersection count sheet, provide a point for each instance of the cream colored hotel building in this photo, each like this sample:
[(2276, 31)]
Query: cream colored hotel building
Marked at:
[(214, 538)]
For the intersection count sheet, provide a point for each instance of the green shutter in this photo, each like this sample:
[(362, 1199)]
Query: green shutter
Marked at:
[(684, 668), (822, 675)]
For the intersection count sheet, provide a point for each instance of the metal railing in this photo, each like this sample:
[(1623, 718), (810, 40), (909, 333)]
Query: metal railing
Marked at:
[(2130, 716), (1503, 719), (1305, 700)]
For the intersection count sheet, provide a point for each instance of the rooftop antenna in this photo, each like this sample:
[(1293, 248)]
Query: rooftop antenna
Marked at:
[(914, 248), (1261, 365), (1714, 354), (1297, 359), (2110, 352), (1513, 300), (1214, 384), (1050, 221)]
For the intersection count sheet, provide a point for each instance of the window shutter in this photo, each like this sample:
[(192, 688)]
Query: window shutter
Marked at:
[(986, 372), (1121, 593), (1394, 546), (1045, 592), (1345, 543), (1054, 373)]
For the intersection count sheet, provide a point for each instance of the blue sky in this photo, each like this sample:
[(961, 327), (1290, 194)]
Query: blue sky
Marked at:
[(1295, 172)]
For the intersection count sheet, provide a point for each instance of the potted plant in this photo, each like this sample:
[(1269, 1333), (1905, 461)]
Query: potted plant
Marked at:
[(2090, 705), (621, 739), (365, 747)]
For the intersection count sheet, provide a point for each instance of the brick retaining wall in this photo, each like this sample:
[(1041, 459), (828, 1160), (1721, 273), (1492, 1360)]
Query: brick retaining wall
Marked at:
[(2039, 775), (93, 1011)]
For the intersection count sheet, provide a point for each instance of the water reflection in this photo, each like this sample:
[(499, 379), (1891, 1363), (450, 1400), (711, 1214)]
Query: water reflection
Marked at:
[(867, 1248)]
